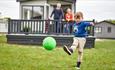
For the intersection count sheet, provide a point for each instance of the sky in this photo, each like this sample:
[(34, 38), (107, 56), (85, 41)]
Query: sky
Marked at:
[(9, 8), (97, 9), (92, 9)]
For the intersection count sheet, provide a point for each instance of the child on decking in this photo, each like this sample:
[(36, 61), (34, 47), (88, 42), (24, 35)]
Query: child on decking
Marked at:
[(69, 17), (79, 39)]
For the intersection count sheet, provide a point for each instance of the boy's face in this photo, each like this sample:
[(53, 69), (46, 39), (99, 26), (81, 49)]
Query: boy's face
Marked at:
[(78, 19)]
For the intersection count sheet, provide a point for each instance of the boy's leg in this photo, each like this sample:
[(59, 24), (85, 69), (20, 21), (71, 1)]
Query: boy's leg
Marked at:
[(82, 42), (75, 44), (72, 48)]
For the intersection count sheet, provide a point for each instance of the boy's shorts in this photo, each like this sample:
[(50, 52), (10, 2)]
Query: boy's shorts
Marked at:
[(79, 43)]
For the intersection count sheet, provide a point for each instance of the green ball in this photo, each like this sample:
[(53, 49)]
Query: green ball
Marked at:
[(49, 43)]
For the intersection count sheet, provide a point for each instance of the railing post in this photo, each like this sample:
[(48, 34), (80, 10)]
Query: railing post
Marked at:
[(93, 27), (9, 25), (27, 28)]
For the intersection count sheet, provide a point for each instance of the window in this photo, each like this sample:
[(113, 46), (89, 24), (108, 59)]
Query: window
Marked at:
[(32, 12), (109, 29), (98, 29), (27, 12), (47, 11)]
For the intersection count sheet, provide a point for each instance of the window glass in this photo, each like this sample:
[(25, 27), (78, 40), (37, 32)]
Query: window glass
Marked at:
[(27, 12), (37, 13), (98, 29), (109, 29), (32, 12)]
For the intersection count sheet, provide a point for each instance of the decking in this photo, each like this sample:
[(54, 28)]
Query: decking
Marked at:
[(34, 31)]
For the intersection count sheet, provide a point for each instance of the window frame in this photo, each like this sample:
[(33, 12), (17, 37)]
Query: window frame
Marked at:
[(98, 29), (22, 14), (109, 29)]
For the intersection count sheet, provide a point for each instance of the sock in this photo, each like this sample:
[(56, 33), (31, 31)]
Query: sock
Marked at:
[(71, 50), (78, 64)]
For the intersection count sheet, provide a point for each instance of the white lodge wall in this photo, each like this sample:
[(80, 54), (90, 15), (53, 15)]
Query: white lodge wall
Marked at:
[(3, 26), (34, 3), (39, 2), (45, 4)]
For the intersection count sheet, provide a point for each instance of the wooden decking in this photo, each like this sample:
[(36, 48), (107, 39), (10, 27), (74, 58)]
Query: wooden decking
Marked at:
[(37, 39), (34, 31)]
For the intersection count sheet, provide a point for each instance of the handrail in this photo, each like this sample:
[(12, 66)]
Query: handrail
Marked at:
[(35, 26)]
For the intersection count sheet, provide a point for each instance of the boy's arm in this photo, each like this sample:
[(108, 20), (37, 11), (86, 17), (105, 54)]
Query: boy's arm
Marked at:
[(89, 23)]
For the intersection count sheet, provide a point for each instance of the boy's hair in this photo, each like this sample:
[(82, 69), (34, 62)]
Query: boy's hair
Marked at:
[(78, 15)]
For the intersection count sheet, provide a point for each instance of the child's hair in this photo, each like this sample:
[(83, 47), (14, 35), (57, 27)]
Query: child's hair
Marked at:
[(68, 10), (78, 15)]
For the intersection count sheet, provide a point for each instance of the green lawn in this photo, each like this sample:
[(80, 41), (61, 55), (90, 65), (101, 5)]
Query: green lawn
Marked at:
[(27, 57)]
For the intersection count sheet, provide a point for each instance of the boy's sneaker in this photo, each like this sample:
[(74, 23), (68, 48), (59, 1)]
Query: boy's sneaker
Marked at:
[(78, 68), (69, 51), (78, 65)]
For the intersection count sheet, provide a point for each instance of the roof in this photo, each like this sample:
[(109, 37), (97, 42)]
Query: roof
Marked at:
[(57, 0), (109, 22), (20, 0)]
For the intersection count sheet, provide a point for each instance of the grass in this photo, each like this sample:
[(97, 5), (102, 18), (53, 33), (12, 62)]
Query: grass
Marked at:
[(29, 57)]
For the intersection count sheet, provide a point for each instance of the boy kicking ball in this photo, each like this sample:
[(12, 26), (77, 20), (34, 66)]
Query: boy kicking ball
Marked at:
[(79, 39)]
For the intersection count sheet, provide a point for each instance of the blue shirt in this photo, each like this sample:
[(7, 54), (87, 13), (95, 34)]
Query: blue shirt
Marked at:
[(80, 29)]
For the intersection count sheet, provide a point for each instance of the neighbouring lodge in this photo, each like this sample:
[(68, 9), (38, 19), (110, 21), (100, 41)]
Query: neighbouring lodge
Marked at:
[(105, 29)]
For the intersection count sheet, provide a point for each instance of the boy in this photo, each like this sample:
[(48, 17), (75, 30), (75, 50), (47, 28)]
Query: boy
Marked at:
[(79, 39)]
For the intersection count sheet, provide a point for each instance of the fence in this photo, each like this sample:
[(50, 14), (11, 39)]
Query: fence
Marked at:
[(41, 27)]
